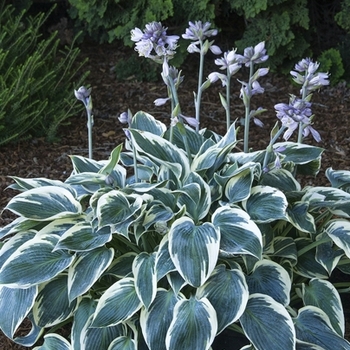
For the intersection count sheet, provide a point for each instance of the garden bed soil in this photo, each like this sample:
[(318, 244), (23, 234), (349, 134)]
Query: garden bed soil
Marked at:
[(38, 158)]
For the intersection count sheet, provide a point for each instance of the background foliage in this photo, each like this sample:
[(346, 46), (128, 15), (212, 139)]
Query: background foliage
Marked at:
[(37, 77)]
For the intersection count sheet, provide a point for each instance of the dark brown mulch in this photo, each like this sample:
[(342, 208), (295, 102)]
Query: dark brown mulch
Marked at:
[(38, 158)]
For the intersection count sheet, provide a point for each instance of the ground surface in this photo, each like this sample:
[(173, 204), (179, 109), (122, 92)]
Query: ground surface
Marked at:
[(37, 158)]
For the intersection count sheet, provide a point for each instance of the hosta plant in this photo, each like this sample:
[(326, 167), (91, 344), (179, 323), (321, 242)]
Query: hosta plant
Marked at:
[(179, 236)]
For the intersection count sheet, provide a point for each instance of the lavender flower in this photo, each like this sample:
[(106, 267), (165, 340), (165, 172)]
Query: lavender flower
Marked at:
[(253, 55), (154, 38), (310, 80), (83, 95), (296, 113), (198, 32)]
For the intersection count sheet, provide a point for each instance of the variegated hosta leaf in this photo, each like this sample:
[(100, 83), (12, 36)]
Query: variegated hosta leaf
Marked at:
[(118, 303), (117, 210), (227, 291), (283, 247), (335, 199), (195, 194), (299, 216), (238, 187), (34, 262), (164, 264), (85, 165), (266, 204), (146, 122), (121, 266), (113, 160), (145, 275), (24, 184), (90, 181), (312, 325), (52, 305), (281, 179), (32, 337), (307, 264), (17, 225), (176, 281), (14, 243), (83, 237), (271, 279), (45, 203), (339, 178), (194, 325), (160, 313), (98, 338), (303, 345), (158, 213), (239, 234), (322, 294), (14, 307), (123, 343), (161, 152), (86, 269), (326, 255), (267, 324), (339, 231), (298, 153), (194, 249), (54, 341)]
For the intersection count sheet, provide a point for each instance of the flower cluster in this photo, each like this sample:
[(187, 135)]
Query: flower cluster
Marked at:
[(154, 39)]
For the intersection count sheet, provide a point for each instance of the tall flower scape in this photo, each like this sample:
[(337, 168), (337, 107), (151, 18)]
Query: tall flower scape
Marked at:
[(178, 236)]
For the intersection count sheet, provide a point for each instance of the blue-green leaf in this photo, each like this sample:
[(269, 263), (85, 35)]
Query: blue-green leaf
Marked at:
[(146, 122), (227, 291), (85, 165), (145, 275), (339, 178), (271, 279), (266, 204), (312, 325), (239, 234), (123, 343), (54, 341), (194, 249), (34, 262), (266, 322), (281, 179), (118, 303), (15, 304), (339, 231), (86, 269), (299, 216), (52, 305), (194, 325), (298, 153), (323, 294), (45, 203), (164, 264), (159, 313)]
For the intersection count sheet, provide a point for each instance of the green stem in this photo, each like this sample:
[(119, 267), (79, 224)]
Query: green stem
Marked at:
[(136, 172), (89, 127), (247, 109), (312, 245), (197, 99), (269, 148), (228, 97)]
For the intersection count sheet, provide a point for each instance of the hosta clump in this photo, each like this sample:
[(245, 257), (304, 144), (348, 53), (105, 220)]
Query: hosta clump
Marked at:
[(197, 239)]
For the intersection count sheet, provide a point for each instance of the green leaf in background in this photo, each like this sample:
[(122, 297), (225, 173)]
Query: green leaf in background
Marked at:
[(227, 291), (45, 203), (266, 204), (194, 249), (266, 322), (194, 325), (239, 234)]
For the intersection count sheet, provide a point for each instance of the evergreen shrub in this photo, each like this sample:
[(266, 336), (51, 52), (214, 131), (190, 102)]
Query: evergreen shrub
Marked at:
[(36, 77)]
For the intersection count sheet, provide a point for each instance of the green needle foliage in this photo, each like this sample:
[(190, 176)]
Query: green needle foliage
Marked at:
[(36, 78)]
